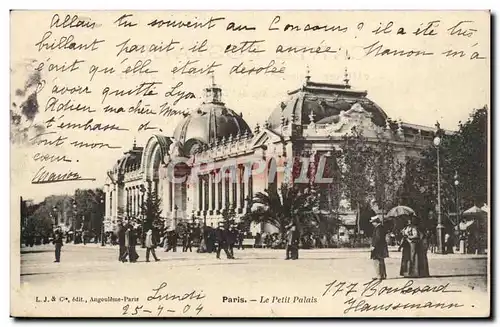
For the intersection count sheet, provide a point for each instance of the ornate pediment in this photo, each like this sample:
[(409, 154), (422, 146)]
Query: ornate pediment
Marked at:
[(356, 117)]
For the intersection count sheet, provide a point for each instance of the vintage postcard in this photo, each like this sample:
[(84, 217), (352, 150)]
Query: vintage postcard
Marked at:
[(250, 164)]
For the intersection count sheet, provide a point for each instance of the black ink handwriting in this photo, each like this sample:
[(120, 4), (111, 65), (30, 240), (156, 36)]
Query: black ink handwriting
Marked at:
[(66, 43), (43, 176)]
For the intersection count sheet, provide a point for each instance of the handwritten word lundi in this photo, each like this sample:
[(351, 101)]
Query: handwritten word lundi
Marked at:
[(159, 295)]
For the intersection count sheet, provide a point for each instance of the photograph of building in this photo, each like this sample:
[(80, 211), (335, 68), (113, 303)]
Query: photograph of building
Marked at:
[(310, 122)]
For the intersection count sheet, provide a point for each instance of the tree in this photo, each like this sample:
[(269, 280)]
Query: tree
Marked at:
[(371, 169), (463, 154), (151, 209), (280, 208), (357, 167), (89, 208), (388, 174)]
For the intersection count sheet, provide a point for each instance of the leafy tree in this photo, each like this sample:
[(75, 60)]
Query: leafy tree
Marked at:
[(89, 208), (280, 208), (462, 154), (388, 173), (357, 160), (370, 169)]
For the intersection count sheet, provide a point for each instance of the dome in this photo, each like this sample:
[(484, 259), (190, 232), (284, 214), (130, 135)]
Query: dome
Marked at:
[(210, 122), (129, 161), (325, 101)]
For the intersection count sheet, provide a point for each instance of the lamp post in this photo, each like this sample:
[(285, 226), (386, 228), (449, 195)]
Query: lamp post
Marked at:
[(54, 214), (461, 237), (101, 208), (144, 212), (440, 227), (73, 221), (175, 215), (457, 183)]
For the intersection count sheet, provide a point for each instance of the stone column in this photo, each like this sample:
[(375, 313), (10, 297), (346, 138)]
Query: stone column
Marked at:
[(210, 191), (224, 188), (165, 196), (106, 201), (240, 191), (216, 195)]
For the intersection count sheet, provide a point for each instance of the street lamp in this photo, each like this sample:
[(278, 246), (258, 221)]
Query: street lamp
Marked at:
[(54, 210), (175, 215), (440, 227), (101, 208), (142, 189), (457, 183)]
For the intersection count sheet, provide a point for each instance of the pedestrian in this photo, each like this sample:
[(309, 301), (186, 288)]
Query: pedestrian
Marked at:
[(121, 241), (132, 253), (413, 263), (292, 242), (232, 237), (58, 242), (186, 241), (241, 237), (379, 250), (150, 245), (222, 241)]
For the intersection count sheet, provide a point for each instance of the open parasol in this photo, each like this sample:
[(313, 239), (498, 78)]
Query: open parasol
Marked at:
[(475, 211), (400, 211)]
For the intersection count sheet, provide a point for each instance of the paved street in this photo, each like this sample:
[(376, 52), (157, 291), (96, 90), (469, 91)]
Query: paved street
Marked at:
[(95, 271)]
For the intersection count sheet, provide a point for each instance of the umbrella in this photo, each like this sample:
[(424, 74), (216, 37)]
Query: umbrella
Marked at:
[(400, 211), (474, 211)]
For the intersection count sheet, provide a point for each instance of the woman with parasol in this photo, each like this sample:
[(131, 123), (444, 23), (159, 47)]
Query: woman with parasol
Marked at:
[(414, 244)]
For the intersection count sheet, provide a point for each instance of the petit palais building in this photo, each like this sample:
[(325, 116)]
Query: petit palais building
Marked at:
[(215, 161)]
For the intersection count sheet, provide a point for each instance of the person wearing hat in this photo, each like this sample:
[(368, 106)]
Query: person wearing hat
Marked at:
[(58, 242), (150, 243), (232, 234), (292, 242), (223, 241), (378, 248)]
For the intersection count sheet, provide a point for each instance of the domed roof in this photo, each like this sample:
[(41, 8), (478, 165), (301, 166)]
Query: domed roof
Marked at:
[(130, 161), (325, 101), (210, 122)]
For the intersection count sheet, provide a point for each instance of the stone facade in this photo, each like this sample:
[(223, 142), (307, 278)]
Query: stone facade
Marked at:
[(222, 163)]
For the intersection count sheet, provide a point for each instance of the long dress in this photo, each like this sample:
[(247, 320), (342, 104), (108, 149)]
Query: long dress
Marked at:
[(414, 262)]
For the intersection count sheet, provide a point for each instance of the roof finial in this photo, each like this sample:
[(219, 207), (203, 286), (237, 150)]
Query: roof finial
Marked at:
[(135, 142), (213, 78), (346, 77), (308, 73)]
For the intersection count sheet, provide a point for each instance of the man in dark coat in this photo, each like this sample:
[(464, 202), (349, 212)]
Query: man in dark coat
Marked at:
[(222, 240), (232, 235), (121, 241), (292, 242), (186, 240), (378, 248), (58, 242)]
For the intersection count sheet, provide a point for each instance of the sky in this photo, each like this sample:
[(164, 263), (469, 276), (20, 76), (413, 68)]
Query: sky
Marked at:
[(417, 90)]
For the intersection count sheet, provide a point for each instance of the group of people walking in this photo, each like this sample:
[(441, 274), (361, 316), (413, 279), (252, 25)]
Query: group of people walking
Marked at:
[(414, 246)]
